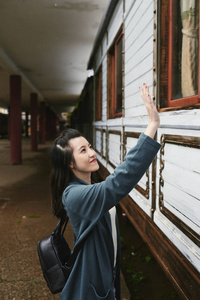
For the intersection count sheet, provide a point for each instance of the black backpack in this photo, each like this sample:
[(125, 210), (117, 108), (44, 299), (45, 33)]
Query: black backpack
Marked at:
[(56, 258)]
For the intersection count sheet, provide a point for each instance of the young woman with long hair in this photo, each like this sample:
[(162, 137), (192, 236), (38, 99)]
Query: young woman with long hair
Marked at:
[(91, 206)]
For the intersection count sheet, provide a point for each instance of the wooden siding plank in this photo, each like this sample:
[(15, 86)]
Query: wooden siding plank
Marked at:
[(114, 149), (135, 111), (141, 201), (179, 239), (182, 205), (141, 11), (180, 156), (144, 67), (104, 45), (139, 55), (104, 144), (135, 57), (140, 28), (143, 184), (182, 117), (98, 141), (178, 174), (115, 23), (182, 179), (129, 7)]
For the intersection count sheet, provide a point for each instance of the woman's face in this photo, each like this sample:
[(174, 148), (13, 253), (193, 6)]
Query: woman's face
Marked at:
[(84, 156)]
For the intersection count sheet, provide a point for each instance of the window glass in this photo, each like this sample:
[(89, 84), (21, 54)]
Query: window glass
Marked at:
[(119, 76), (115, 82), (99, 94), (185, 48)]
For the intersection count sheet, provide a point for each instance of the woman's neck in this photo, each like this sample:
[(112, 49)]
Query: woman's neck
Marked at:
[(83, 176)]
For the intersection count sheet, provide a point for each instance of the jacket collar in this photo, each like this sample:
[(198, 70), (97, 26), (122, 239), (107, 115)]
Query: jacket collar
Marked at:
[(76, 180)]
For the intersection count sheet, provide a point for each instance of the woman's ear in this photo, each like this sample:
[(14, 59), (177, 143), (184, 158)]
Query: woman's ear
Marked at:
[(71, 165)]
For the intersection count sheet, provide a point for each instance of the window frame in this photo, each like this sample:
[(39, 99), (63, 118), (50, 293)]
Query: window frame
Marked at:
[(98, 94), (165, 61), (113, 109)]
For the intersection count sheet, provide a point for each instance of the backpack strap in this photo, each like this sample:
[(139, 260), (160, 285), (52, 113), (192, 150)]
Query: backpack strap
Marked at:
[(65, 224), (61, 226), (69, 264)]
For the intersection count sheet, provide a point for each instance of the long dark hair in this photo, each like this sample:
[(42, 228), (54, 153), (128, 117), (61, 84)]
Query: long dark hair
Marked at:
[(61, 156)]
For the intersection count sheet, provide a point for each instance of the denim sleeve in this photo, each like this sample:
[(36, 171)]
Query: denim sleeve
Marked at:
[(86, 204)]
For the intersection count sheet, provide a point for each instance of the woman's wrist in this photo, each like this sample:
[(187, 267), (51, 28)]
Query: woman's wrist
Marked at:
[(152, 128)]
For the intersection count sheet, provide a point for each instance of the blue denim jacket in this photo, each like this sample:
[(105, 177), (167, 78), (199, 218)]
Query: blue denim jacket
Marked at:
[(87, 207)]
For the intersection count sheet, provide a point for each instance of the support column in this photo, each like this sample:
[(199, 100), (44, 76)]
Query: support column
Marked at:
[(42, 122), (33, 111), (51, 124), (15, 125), (26, 125)]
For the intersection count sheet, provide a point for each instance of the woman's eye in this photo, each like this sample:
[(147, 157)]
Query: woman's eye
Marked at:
[(83, 150), (91, 147)]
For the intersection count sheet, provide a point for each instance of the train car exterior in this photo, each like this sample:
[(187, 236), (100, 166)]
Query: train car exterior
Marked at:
[(156, 42)]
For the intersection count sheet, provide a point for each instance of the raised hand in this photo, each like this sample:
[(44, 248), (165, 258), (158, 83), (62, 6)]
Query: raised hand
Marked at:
[(154, 119)]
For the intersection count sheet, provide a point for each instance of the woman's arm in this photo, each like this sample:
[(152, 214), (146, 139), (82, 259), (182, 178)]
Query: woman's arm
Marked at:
[(86, 204), (154, 119)]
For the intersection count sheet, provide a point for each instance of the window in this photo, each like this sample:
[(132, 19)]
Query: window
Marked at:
[(115, 84), (180, 46), (98, 84)]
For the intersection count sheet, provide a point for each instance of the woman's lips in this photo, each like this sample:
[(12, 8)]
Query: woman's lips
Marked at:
[(94, 160)]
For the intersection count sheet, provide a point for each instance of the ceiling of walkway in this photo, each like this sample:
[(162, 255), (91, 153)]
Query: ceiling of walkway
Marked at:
[(49, 44)]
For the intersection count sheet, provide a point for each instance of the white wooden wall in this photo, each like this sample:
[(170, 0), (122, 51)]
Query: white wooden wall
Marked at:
[(181, 171), (138, 55)]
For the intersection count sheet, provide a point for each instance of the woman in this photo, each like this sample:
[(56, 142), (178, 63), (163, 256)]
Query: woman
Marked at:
[(91, 206)]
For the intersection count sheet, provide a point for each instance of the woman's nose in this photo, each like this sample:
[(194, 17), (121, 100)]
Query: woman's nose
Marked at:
[(92, 152)]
